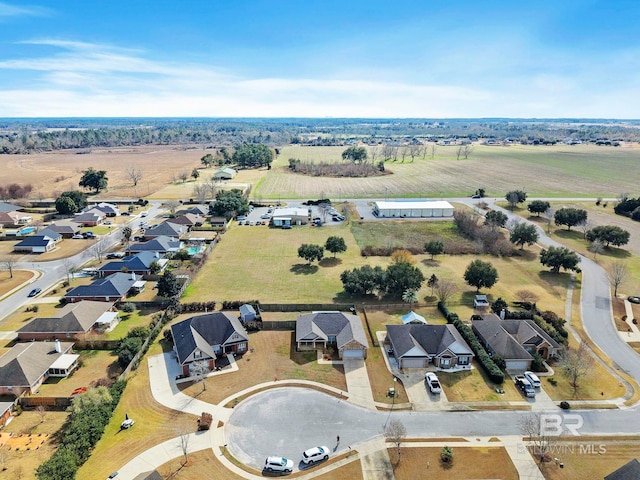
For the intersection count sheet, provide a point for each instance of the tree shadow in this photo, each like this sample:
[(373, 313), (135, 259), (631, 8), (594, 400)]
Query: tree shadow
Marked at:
[(304, 269), (431, 262), (330, 262)]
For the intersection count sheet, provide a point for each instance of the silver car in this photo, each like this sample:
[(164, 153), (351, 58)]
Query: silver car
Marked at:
[(278, 464)]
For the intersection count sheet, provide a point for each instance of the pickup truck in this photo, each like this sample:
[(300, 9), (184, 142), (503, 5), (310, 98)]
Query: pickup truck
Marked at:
[(525, 386)]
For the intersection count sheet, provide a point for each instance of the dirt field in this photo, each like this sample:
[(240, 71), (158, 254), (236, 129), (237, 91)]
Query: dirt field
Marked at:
[(7, 283), (53, 173)]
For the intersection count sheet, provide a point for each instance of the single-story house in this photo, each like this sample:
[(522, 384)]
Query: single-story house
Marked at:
[(52, 234), (480, 302), (90, 218), (202, 210), (9, 207), (161, 244), (416, 345), (515, 340), (28, 365), (189, 220), (166, 229), (247, 312), (413, 317), (413, 209), (14, 219), (343, 331), (109, 209), (65, 228), (224, 174), (36, 244), (218, 221), (113, 288), (629, 471), (139, 263), (198, 341), (290, 216), (72, 321)]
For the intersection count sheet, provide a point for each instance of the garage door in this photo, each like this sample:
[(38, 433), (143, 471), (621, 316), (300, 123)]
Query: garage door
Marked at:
[(516, 365), (353, 353), (413, 362)]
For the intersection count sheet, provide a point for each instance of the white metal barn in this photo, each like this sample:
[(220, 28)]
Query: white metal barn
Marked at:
[(413, 209)]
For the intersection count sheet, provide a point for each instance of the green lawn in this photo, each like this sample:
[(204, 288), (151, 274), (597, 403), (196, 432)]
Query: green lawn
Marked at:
[(139, 318), (568, 171)]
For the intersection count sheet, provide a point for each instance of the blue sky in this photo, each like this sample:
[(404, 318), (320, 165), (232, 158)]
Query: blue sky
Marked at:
[(349, 58)]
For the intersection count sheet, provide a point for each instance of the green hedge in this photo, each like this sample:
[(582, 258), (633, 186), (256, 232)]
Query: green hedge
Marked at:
[(495, 374)]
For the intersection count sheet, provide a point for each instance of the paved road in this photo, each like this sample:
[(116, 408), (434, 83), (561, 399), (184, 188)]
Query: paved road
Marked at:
[(286, 421)]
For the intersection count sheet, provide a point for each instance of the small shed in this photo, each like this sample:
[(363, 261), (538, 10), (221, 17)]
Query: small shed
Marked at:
[(413, 317), (247, 313), (481, 302)]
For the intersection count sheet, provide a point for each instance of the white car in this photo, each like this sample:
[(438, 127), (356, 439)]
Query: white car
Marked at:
[(533, 379), (315, 454), (278, 464), (78, 236), (433, 382)]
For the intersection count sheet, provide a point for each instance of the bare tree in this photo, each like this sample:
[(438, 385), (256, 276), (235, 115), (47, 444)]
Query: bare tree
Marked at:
[(597, 246), (395, 432), (433, 151), (387, 152), (549, 215), (9, 262), (404, 151), (533, 428), (172, 206), (200, 192), (445, 289), (98, 250), (69, 268), (585, 227), (42, 412), (459, 152), (134, 174), (213, 186), (414, 151), (617, 273), (183, 176), (527, 296), (184, 438), (467, 150), (373, 154), (576, 363), (200, 370)]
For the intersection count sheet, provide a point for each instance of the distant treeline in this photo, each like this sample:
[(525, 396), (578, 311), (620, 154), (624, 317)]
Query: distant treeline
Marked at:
[(38, 135)]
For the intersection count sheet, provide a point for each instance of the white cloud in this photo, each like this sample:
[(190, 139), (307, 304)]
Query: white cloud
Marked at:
[(7, 10)]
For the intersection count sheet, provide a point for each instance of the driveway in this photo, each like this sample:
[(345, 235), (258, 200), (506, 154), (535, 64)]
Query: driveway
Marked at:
[(358, 384), (422, 400)]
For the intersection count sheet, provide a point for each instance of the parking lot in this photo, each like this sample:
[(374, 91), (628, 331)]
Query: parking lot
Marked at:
[(261, 216)]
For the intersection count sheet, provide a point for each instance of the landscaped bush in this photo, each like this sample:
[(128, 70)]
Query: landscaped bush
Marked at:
[(495, 374), (90, 413), (128, 307), (236, 304), (198, 307)]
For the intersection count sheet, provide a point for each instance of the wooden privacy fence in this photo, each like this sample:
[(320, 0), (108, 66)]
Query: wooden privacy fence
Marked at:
[(50, 402)]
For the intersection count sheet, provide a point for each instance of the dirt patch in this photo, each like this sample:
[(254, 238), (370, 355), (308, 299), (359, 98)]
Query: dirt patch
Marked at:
[(619, 313)]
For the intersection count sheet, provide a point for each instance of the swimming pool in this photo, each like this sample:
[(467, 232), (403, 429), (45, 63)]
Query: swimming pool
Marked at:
[(27, 230), (193, 249)]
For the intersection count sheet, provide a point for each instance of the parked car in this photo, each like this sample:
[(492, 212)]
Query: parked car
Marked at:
[(144, 214), (115, 255), (533, 379), (634, 299), (113, 475), (108, 223), (34, 292), (475, 196), (78, 236), (265, 216), (278, 464), (525, 386), (88, 235), (315, 454), (286, 227), (433, 382), (125, 214)]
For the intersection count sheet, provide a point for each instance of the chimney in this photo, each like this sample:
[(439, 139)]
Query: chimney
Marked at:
[(133, 276), (58, 347)]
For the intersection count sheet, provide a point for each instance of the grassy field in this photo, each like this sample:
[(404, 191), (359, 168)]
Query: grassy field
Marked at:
[(138, 318), (569, 171), (8, 282), (468, 463), (201, 464), (475, 386)]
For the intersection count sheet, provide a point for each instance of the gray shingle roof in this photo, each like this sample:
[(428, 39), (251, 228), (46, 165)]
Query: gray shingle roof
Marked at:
[(321, 325), (49, 232), (73, 318), (113, 286), (25, 363), (8, 207), (64, 226), (528, 332), (205, 331), (432, 339), (162, 244), (492, 333), (166, 228), (629, 471)]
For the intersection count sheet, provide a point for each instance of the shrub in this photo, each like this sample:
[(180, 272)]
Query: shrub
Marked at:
[(565, 405), (552, 381), (128, 307)]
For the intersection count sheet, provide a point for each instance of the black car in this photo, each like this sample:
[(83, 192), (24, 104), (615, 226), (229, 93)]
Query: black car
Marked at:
[(114, 255), (634, 299), (35, 292), (88, 235)]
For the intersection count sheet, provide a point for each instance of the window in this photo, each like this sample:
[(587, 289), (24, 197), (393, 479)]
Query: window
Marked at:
[(463, 360), (332, 339), (242, 347)]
